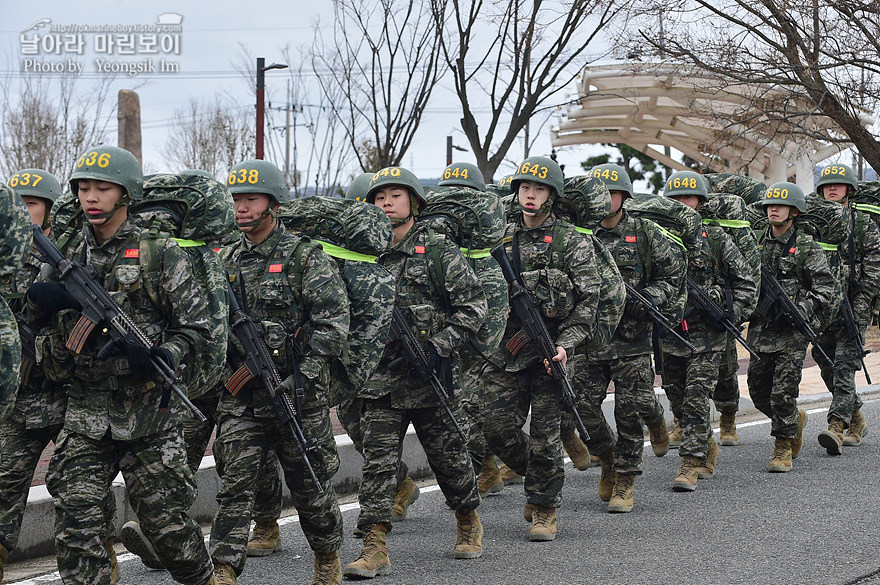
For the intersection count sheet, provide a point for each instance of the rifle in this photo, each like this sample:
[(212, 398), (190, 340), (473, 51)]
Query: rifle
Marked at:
[(258, 363), (852, 329), (415, 356), (99, 307), (771, 293), (526, 309), (655, 314), (704, 303)]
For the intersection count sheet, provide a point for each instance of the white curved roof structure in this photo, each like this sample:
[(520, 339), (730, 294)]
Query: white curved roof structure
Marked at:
[(713, 120)]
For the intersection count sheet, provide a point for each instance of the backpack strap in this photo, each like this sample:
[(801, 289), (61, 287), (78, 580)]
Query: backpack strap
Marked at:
[(439, 276), (148, 258)]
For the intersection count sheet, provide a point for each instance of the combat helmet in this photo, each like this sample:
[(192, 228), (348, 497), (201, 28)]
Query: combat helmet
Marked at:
[(358, 187), (785, 193), (615, 178), (258, 176), (113, 165), (36, 183), (400, 177), (539, 169), (462, 174), (837, 174), (683, 183)]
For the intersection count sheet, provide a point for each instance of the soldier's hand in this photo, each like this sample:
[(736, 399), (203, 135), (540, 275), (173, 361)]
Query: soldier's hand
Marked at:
[(561, 356), (139, 358), (52, 297)]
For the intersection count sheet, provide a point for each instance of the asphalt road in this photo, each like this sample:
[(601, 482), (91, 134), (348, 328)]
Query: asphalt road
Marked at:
[(816, 524)]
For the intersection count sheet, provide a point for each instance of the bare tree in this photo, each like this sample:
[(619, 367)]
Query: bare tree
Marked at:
[(824, 56), (513, 57), (210, 135), (48, 121), (383, 62)]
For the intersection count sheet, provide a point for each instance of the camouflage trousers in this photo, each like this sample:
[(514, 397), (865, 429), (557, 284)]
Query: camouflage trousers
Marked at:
[(726, 395), (268, 503), (20, 450), (634, 402), (537, 455), (244, 443), (774, 386), (349, 414), (383, 430), (160, 489), (841, 378), (689, 383), (471, 400)]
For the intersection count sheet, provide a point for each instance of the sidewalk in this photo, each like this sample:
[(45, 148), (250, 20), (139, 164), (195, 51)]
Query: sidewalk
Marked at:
[(37, 534)]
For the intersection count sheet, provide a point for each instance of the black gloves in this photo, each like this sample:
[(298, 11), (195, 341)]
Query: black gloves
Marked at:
[(52, 297), (439, 365), (139, 358)]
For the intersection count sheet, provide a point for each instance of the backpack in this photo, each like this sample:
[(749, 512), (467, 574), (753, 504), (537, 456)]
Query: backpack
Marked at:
[(584, 202), (197, 212), (350, 224), (474, 219), (751, 190), (867, 199), (353, 233), (730, 212)]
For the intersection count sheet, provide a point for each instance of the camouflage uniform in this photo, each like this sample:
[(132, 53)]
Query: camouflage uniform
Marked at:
[(281, 291), (567, 286), (689, 379), (800, 266), (647, 262), (863, 287), (444, 316), (113, 422)]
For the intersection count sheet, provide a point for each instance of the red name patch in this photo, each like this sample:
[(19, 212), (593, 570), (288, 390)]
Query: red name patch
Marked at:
[(631, 239), (133, 253), (793, 250), (705, 234), (420, 249), (548, 239), (275, 268)]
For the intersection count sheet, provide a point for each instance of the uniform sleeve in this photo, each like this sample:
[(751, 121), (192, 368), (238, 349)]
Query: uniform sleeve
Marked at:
[(868, 285), (742, 282), (467, 302), (580, 265), (822, 288), (189, 323), (325, 301), (667, 270)]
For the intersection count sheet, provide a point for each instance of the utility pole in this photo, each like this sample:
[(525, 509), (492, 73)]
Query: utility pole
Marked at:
[(287, 136)]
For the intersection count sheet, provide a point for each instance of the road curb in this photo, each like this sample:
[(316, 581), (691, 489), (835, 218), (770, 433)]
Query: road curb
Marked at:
[(38, 528)]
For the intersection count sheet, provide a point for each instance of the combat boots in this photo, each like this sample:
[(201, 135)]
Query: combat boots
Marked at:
[(373, 559), (224, 575), (407, 493), (577, 451), (608, 477), (489, 480), (727, 425), (469, 543), (528, 510), (4, 554), (781, 461), (508, 475), (798, 440), (675, 436), (624, 492), (265, 539), (114, 564), (832, 438), (686, 480), (212, 580), (659, 438), (328, 569), (858, 428), (137, 543), (707, 465), (543, 526)]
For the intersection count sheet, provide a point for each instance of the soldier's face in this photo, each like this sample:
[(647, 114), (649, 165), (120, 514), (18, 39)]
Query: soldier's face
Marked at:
[(36, 206), (691, 201), (835, 192), (249, 207), (98, 197), (616, 201), (394, 201), (532, 195), (780, 213)]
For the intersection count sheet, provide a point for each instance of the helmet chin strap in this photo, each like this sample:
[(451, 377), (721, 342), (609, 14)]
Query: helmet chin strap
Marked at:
[(545, 208), (255, 222), (107, 215), (784, 221)]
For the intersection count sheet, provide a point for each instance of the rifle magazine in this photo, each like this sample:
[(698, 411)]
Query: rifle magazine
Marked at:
[(81, 331), (237, 380)]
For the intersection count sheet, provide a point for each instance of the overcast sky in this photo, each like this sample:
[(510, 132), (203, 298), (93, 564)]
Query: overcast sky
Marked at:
[(207, 46)]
